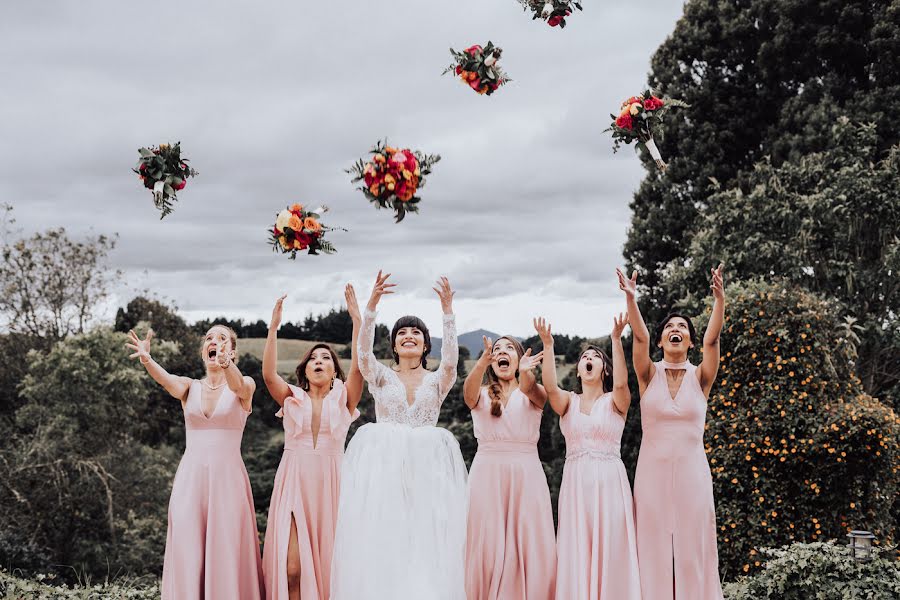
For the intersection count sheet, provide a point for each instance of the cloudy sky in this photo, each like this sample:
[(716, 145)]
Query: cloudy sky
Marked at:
[(526, 213)]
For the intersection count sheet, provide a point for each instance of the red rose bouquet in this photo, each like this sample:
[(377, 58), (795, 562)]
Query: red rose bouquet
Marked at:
[(479, 68), (638, 115), (164, 172), (297, 230), (392, 176), (554, 12)]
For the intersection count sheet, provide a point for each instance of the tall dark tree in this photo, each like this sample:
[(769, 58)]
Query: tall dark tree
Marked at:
[(764, 78)]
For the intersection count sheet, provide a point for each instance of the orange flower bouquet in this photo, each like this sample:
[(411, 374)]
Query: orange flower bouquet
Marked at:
[(639, 114), (297, 230), (392, 176), (479, 68), (554, 12), (164, 172)]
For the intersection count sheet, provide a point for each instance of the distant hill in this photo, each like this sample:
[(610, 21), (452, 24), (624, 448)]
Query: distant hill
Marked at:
[(471, 340)]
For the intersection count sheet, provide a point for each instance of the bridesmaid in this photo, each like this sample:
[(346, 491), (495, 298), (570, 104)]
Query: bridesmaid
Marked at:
[(212, 546), (674, 509), (510, 546), (597, 553), (317, 413)]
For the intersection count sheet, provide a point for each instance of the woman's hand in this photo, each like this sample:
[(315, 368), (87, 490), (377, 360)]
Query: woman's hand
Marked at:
[(445, 293), (275, 323), (629, 286), (140, 346), (487, 355), (352, 303), (381, 288), (544, 331), (528, 362), (619, 323), (718, 282)]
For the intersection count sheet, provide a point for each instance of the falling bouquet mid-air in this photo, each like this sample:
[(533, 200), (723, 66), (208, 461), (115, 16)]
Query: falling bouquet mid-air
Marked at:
[(638, 117), (554, 12), (297, 230), (393, 176), (479, 68), (164, 172)]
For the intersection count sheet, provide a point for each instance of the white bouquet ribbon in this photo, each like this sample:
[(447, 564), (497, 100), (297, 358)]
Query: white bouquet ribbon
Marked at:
[(548, 10), (159, 191), (654, 152)]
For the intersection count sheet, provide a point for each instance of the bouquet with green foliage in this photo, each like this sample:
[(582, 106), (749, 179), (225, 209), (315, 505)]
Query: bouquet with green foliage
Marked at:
[(393, 176), (639, 114), (479, 68), (554, 12), (164, 172)]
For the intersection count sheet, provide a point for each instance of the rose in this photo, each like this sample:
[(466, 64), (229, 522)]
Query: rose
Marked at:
[(311, 224), (624, 122), (653, 103), (554, 20), (412, 163), (475, 84), (180, 185), (295, 208), (473, 49), (375, 189), (284, 243), (390, 182), (634, 109), (459, 69), (295, 222), (281, 221), (303, 239)]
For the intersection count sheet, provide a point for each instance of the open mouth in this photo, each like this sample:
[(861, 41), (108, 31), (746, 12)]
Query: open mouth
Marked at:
[(503, 363), (211, 354), (676, 338), (589, 367), (318, 370), (409, 344)]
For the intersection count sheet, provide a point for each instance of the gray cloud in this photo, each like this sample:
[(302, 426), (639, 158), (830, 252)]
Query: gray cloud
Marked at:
[(272, 101)]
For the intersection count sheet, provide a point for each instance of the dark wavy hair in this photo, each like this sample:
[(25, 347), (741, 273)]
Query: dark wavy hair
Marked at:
[(657, 335), (606, 374), (493, 382), (416, 322), (302, 381)]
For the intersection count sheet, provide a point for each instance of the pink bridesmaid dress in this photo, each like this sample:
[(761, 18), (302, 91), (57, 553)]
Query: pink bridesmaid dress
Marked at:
[(597, 549), (212, 546), (510, 545), (306, 490), (673, 495)]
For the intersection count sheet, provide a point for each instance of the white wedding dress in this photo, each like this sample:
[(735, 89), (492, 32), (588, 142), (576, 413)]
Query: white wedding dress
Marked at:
[(402, 512)]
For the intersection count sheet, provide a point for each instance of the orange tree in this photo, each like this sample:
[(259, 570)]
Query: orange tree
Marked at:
[(798, 452)]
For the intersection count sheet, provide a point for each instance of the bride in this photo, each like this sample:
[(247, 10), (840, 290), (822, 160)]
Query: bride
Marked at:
[(402, 512)]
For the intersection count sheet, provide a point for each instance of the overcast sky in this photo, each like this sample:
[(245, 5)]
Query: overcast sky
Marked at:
[(526, 213)]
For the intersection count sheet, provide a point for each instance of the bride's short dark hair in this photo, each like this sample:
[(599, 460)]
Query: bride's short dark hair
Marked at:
[(417, 323)]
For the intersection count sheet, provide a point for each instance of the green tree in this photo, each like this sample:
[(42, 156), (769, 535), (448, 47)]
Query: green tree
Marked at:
[(830, 222), (797, 450), (764, 78)]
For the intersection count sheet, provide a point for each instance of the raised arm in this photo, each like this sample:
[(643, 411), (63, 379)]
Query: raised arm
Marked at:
[(528, 385), (472, 385), (449, 345), (354, 377), (640, 349), (559, 399), (709, 368), (176, 385), (621, 393), (368, 364), (277, 386)]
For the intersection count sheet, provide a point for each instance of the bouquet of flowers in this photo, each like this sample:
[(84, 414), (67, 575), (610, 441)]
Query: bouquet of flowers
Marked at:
[(552, 11), (297, 230), (392, 176), (639, 114), (479, 68), (164, 172)]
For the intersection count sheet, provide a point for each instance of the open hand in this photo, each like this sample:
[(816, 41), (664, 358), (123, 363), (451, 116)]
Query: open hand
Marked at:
[(544, 331), (445, 293), (487, 355), (619, 323), (223, 357), (141, 347), (629, 286), (718, 282), (381, 288), (352, 303), (529, 362), (276, 313)]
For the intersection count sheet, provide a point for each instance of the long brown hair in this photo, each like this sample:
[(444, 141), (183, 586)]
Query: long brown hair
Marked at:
[(302, 381), (493, 382)]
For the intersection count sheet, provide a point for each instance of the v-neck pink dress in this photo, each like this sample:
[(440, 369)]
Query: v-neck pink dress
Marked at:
[(212, 545), (597, 550), (510, 544), (307, 486), (673, 495)]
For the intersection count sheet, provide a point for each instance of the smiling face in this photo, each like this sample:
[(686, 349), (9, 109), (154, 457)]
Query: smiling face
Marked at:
[(505, 356), (411, 339), (676, 336), (218, 335)]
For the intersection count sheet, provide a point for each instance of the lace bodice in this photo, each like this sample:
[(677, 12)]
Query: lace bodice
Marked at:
[(389, 392)]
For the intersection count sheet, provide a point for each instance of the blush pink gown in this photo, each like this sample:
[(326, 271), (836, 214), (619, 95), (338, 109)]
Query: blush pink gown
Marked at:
[(510, 544), (212, 546), (306, 489), (673, 495), (597, 549)]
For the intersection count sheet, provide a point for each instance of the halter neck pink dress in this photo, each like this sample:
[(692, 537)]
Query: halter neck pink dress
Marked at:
[(212, 546), (673, 494), (510, 544), (307, 486), (597, 549)]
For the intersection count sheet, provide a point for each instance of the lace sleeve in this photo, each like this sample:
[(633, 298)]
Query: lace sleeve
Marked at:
[(368, 364), (449, 356)]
